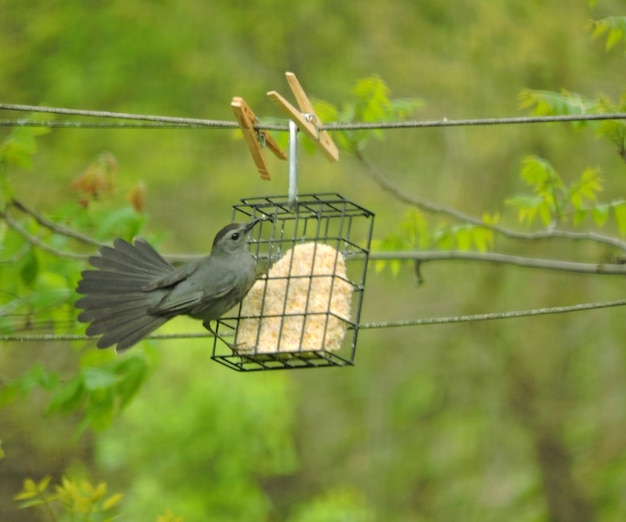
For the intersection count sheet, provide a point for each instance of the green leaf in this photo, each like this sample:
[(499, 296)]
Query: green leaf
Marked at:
[(614, 131), (414, 232), (619, 211), (527, 207), (482, 238), (463, 237), (30, 268), (69, 397), (36, 376), (371, 103), (615, 26), (132, 373), (549, 103), (591, 183), (326, 111), (379, 265), (337, 505), (98, 378), (101, 408), (18, 149), (32, 493), (31, 503), (539, 174), (545, 213), (405, 107), (579, 217), (394, 265), (50, 291), (444, 239), (112, 501), (600, 213), (123, 222)]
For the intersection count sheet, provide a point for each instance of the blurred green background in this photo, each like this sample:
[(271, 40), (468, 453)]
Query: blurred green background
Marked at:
[(521, 420)]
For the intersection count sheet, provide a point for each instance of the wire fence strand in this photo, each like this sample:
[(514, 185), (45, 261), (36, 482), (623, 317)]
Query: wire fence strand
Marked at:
[(513, 314), (147, 121)]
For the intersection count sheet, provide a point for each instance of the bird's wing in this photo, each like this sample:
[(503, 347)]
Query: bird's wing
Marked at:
[(184, 299), (210, 300), (174, 277), (176, 305)]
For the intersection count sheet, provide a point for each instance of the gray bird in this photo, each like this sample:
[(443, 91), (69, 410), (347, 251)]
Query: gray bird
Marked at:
[(135, 290)]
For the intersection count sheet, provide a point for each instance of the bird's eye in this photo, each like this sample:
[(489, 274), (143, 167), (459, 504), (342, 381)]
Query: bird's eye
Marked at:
[(235, 236)]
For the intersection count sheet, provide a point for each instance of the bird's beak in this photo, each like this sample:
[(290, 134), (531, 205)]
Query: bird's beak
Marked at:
[(250, 225)]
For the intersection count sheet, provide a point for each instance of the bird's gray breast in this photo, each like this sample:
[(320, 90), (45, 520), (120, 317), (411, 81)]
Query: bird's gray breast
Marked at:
[(224, 283)]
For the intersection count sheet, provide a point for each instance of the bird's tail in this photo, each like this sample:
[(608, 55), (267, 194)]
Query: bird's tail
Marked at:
[(116, 301)]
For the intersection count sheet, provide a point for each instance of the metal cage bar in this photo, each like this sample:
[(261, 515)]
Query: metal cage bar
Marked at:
[(315, 220)]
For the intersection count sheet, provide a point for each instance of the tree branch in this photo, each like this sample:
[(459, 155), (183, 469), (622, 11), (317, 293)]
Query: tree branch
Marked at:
[(55, 227), (35, 241), (493, 257), (433, 208)]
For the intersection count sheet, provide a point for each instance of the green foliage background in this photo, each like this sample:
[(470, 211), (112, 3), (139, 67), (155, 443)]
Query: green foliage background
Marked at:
[(476, 422)]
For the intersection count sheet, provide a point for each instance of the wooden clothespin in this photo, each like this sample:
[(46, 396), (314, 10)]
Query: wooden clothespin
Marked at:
[(255, 140), (305, 118)]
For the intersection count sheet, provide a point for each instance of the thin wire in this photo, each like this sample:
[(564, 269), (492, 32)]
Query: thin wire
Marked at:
[(515, 120), (82, 337), (496, 315), (120, 115), (513, 314), (170, 122), (57, 124)]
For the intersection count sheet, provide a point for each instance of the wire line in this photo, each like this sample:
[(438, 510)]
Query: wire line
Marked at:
[(513, 314), (169, 122), (119, 115), (173, 122)]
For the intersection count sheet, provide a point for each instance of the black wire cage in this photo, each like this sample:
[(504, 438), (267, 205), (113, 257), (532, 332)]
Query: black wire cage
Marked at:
[(305, 307)]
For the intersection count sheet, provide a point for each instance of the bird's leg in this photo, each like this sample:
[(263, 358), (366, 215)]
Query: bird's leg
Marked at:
[(207, 325)]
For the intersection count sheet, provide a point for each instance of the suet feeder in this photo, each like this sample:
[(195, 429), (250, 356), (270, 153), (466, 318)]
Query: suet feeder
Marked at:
[(305, 307)]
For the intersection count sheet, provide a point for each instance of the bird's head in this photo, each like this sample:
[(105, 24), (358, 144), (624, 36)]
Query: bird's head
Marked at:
[(232, 238)]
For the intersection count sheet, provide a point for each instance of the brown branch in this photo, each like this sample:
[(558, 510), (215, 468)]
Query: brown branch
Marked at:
[(433, 208), (35, 241), (55, 227), (494, 257), (68, 232)]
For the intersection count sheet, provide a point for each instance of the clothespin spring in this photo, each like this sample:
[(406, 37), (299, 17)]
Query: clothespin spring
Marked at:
[(312, 117)]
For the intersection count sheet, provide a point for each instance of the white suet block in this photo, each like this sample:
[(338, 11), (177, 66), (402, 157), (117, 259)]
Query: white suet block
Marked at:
[(309, 296)]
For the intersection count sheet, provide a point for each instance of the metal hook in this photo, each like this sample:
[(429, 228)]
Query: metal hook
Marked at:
[(293, 164)]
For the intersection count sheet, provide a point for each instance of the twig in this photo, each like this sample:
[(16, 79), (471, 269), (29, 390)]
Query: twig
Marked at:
[(433, 208), (35, 241), (55, 227), (493, 257)]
